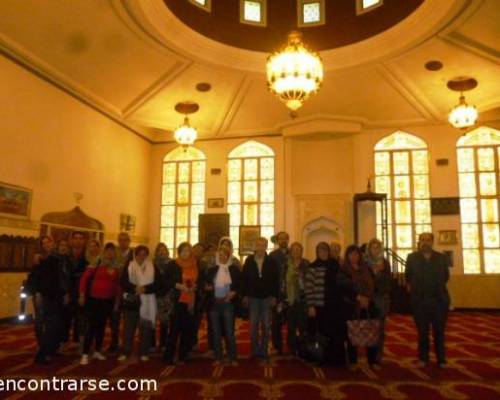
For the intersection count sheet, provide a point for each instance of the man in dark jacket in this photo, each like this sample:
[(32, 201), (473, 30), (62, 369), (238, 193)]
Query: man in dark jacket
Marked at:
[(280, 256), (260, 290), (49, 291), (426, 276)]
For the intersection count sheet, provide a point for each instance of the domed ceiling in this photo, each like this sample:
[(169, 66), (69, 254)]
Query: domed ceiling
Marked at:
[(342, 26), (133, 61)]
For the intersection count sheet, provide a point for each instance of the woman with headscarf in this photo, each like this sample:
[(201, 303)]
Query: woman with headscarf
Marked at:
[(185, 273), (139, 282), (381, 271), (323, 302), (357, 290), (226, 242), (223, 283)]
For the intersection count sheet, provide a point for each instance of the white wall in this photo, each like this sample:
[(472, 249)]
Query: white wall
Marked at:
[(55, 145)]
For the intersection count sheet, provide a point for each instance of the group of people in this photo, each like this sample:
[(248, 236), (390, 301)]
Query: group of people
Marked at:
[(79, 288)]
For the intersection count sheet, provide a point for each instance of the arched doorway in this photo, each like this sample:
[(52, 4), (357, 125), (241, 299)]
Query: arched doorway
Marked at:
[(321, 229)]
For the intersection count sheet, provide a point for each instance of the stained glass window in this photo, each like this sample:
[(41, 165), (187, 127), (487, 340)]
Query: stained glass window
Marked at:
[(251, 184), (363, 6), (310, 12), (205, 4), (401, 171), (370, 3), (183, 196), (478, 154), (253, 12)]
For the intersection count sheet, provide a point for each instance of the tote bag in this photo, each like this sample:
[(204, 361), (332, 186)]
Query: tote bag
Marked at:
[(363, 332)]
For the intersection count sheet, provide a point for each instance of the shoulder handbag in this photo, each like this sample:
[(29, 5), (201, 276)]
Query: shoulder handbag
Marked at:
[(131, 301), (313, 346), (363, 332)]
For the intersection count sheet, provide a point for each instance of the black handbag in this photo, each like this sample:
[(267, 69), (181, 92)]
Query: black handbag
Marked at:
[(312, 347), (131, 302)]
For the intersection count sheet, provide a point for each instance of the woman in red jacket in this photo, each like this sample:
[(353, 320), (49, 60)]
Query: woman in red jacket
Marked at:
[(99, 295)]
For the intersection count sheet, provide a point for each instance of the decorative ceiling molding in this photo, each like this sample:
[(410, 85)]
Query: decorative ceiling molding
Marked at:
[(51, 73), (233, 106), (322, 125), (409, 92), (156, 27), (48, 73), (168, 77), (471, 46), (162, 25)]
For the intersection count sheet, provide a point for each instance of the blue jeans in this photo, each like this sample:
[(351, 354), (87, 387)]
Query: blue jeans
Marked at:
[(224, 311), (260, 315)]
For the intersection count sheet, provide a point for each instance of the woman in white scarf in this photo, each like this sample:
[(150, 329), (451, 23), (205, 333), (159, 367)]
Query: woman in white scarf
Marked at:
[(223, 281), (227, 243), (139, 281)]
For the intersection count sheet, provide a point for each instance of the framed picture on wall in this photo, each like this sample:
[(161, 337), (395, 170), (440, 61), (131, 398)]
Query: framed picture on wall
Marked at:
[(15, 201), (447, 237), (248, 236), (215, 203)]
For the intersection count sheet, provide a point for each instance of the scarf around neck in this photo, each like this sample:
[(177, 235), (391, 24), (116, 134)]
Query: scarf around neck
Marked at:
[(142, 275), (223, 277)]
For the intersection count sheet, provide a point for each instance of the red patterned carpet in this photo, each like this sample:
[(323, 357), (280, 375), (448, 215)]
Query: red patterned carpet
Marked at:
[(473, 373)]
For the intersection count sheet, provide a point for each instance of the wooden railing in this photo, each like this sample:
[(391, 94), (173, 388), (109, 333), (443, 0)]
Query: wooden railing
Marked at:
[(16, 253)]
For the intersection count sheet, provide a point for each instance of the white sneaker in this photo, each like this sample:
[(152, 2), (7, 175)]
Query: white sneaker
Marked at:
[(98, 356), (144, 358), (84, 360), (123, 357)]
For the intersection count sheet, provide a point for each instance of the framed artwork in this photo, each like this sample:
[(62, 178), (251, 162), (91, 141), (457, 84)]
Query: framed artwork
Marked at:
[(15, 201), (212, 227), (127, 223), (248, 236), (447, 237), (215, 203), (445, 206)]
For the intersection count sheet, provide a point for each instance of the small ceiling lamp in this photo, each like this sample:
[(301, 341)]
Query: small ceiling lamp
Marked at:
[(294, 73), (463, 115), (185, 134)]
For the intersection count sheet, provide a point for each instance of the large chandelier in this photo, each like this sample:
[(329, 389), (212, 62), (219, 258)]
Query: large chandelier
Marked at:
[(294, 73), (185, 134), (462, 116)]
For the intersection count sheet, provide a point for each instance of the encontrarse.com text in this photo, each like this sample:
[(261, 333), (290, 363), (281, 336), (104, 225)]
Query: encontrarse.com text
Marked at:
[(77, 385)]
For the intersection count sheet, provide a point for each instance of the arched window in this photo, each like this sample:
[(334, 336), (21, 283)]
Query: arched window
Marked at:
[(402, 171), (478, 154), (250, 189), (183, 196)]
